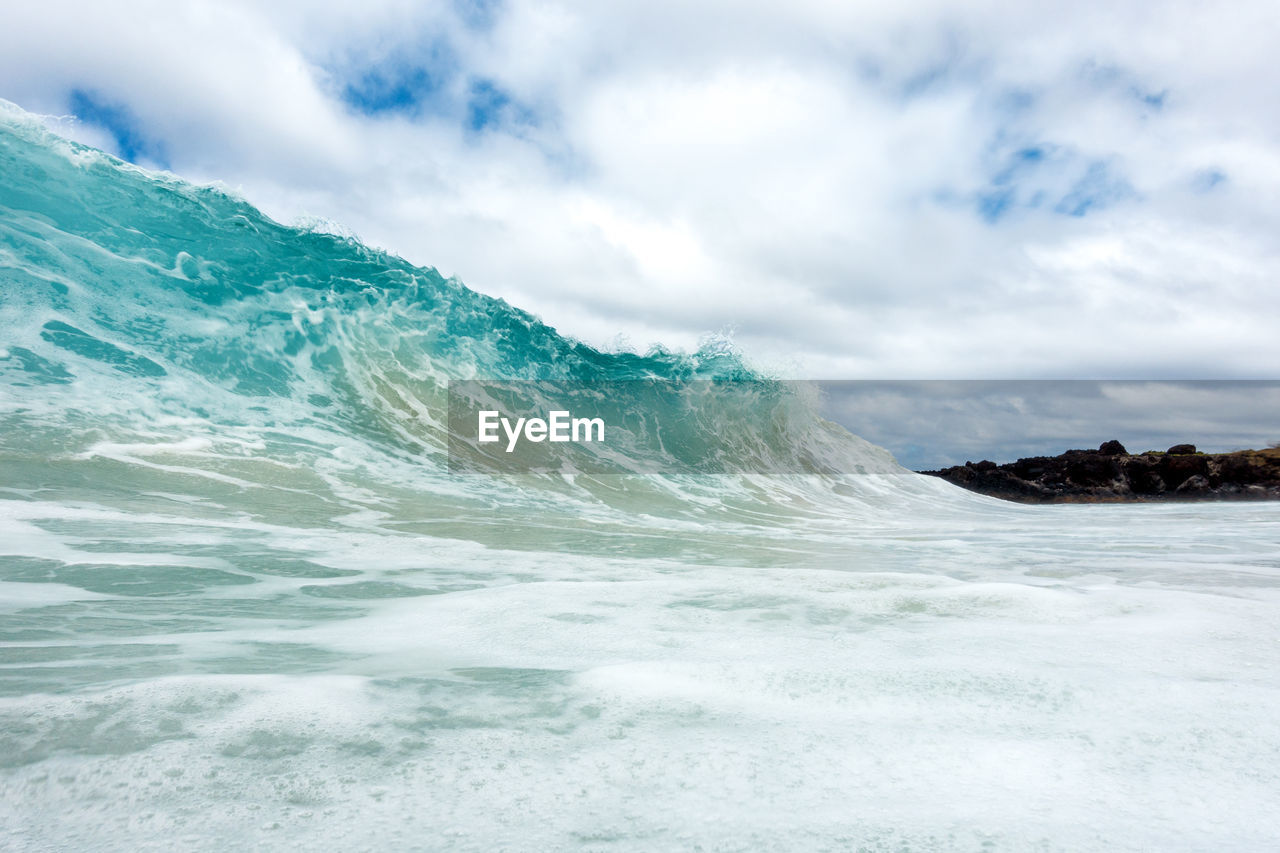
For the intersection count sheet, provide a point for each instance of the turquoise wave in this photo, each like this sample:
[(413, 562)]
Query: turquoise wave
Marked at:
[(132, 299)]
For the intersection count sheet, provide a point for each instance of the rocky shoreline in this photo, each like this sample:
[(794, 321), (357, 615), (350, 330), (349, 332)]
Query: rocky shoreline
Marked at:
[(1111, 473)]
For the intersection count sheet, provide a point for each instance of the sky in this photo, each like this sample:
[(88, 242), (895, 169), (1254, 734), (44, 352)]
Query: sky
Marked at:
[(914, 190), (930, 424)]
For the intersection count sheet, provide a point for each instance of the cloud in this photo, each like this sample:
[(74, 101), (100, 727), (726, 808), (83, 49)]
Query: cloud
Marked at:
[(917, 189), (123, 127)]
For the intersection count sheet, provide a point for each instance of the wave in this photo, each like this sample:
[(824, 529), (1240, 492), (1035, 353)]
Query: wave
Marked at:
[(175, 327)]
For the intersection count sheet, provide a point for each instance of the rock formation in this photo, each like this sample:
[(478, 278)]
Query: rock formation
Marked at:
[(1111, 473)]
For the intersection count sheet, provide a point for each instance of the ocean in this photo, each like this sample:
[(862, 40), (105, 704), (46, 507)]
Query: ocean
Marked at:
[(246, 601)]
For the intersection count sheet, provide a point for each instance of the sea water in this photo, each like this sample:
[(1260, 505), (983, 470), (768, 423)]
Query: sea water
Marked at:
[(244, 604)]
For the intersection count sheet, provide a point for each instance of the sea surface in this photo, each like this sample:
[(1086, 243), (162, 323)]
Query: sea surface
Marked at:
[(245, 603)]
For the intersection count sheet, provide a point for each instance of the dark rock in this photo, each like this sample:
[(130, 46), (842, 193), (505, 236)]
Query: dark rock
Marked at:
[(1176, 469), (1110, 474), (1092, 470), (1194, 483), (1241, 469), (1143, 475), (1030, 468)]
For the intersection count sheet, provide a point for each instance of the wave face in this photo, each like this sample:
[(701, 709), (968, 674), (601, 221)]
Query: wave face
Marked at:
[(243, 601), (148, 317)]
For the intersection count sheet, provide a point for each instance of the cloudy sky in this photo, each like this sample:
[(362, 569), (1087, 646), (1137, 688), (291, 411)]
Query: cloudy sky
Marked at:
[(853, 190), (934, 424)]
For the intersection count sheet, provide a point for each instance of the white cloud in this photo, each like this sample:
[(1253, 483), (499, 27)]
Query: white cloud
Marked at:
[(809, 174)]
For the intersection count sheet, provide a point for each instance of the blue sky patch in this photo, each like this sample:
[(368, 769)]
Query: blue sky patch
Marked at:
[(432, 85), (392, 90), (490, 107), (1003, 194), (414, 79), (1155, 100), (1042, 176), (995, 204), (485, 105), (132, 141), (477, 14), (1098, 188), (927, 79), (1207, 180)]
